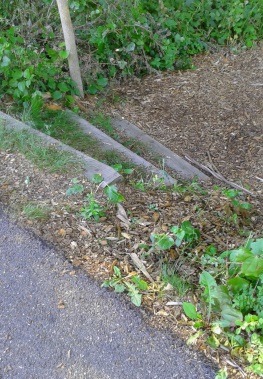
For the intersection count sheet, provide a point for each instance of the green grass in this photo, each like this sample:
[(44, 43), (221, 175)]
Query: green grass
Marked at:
[(181, 285), (36, 151), (139, 148), (104, 123), (58, 125), (36, 212)]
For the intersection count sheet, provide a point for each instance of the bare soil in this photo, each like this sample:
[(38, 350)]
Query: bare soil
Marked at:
[(215, 108)]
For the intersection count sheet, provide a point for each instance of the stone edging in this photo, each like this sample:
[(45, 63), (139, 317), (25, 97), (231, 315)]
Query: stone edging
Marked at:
[(92, 166)]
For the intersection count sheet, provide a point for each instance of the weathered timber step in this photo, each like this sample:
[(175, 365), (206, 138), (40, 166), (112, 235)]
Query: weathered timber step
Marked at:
[(92, 166), (172, 160), (108, 143)]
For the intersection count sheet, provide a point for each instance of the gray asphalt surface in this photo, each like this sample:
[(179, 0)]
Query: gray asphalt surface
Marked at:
[(98, 335)]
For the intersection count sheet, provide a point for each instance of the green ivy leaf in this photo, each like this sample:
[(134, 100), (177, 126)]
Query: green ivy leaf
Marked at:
[(180, 237), (21, 86), (117, 167), (27, 74), (102, 82), (246, 206), (51, 83), (231, 193), (64, 54), (17, 74), (56, 95), (92, 89), (63, 87)]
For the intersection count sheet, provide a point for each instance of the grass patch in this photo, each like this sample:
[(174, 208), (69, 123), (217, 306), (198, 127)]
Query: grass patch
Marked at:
[(181, 285), (36, 212), (41, 155), (104, 123), (60, 126), (136, 146)]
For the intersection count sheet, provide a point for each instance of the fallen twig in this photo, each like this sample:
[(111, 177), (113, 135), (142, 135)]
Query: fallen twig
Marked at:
[(219, 176), (259, 178), (139, 264), (212, 166), (234, 364)]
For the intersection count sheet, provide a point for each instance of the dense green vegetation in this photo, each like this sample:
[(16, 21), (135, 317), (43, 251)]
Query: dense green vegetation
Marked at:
[(115, 38)]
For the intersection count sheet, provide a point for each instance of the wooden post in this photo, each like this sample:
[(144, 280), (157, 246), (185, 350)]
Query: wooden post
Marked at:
[(69, 38)]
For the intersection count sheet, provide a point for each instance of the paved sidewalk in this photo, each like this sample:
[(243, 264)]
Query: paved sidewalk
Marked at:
[(95, 335)]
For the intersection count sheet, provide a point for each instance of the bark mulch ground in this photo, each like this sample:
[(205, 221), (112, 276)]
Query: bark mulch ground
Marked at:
[(215, 108)]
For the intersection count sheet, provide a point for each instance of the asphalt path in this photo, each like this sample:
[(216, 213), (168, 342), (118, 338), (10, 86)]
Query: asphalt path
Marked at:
[(55, 325)]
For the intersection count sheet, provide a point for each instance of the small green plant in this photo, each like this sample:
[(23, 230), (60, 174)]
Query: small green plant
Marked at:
[(75, 189), (113, 195), (132, 285), (119, 167), (190, 311), (153, 207), (153, 183), (139, 184), (185, 236), (186, 233), (92, 209), (97, 178), (238, 208), (191, 188)]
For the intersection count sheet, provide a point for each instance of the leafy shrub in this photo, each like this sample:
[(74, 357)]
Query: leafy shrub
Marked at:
[(117, 38), (234, 309), (25, 72), (133, 37)]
